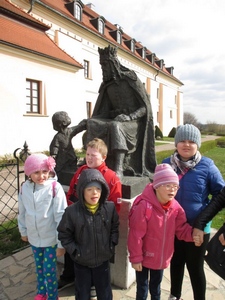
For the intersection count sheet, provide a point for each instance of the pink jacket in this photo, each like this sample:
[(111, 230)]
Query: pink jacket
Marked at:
[(151, 242)]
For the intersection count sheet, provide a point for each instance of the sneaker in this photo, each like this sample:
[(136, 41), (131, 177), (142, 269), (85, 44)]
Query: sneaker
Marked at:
[(40, 297), (62, 284), (171, 297), (93, 295)]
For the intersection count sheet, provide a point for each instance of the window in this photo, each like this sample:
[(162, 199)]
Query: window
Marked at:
[(32, 96), (101, 26), (119, 37), (77, 12), (89, 109), (132, 45), (86, 69)]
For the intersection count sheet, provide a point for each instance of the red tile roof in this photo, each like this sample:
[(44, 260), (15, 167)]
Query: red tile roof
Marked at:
[(20, 30)]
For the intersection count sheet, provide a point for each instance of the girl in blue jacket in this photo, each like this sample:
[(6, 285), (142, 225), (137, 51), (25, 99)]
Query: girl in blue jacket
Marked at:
[(42, 202), (198, 178)]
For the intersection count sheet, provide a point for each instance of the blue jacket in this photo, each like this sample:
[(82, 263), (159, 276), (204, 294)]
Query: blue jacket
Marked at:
[(196, 186)]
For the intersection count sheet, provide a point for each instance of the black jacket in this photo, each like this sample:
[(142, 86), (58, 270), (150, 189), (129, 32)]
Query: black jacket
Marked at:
[(210, 211), (90, 238)]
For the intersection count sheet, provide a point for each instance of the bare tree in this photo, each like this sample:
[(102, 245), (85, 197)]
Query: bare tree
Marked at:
[(190, 118)]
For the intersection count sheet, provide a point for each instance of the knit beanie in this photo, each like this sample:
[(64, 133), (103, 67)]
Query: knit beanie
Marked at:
[(37, 162), (188, 132), (94, 183), (164, 174)]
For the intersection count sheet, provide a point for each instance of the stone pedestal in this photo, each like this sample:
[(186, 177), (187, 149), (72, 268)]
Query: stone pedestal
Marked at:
[(122, 274)]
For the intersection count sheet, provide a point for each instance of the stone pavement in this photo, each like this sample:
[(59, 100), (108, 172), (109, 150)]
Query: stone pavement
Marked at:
[(18, 282)]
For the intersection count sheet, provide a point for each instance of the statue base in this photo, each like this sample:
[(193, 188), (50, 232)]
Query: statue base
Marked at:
[(122, 274), (65, 177)]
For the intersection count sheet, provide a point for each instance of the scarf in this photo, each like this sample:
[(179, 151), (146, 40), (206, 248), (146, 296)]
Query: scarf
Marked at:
[(92, 208), (184, 166)]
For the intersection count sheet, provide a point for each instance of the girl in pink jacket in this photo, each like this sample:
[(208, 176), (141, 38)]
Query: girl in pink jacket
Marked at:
[(154, 220)]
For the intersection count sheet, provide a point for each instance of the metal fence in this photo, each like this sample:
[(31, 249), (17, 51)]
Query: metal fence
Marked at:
[(11, 176)]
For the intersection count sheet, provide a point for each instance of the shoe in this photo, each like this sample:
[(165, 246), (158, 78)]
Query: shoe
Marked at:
[(62, 284), (40, 297), (93, 295), (171, 297)]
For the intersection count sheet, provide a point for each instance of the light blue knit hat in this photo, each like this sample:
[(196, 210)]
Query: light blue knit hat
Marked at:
[(188, 132)]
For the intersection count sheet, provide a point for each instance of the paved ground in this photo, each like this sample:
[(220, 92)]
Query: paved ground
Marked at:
[(18, 280)]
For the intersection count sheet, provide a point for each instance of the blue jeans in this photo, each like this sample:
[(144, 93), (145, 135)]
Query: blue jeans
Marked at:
[(153, 285), (98, 276)]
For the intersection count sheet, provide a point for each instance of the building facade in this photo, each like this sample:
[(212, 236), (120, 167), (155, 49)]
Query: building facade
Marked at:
[(49, 62)]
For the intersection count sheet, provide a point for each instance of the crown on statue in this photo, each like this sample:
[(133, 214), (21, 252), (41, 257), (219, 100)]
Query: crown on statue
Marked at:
[(108, 52)]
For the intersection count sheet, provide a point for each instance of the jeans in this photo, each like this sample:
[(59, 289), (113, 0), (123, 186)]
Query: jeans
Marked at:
[(98, 276), (153, 286)]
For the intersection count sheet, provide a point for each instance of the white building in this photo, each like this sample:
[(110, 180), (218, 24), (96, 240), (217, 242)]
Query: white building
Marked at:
[(49, 62)]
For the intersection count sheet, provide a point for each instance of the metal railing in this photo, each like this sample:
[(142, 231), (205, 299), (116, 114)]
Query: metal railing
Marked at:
[(11, 176)]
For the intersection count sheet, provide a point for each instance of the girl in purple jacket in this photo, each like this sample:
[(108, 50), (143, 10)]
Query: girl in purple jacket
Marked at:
[(154, 220)]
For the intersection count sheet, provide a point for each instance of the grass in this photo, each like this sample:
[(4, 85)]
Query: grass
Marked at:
[(10, 241)]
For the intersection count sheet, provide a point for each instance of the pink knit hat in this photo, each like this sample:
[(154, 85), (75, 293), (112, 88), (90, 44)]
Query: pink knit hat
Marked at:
[(164, 174), (37, 162)]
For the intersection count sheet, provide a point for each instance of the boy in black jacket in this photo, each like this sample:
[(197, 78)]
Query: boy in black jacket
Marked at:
[(89, 231)]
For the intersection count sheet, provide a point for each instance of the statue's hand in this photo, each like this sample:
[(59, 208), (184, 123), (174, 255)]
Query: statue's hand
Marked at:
[(122, 118)]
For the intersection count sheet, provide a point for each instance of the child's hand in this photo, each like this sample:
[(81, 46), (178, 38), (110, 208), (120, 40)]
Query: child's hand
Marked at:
[(198, 236), (24, 238), (137, 267), (221, 239), (60, 252)]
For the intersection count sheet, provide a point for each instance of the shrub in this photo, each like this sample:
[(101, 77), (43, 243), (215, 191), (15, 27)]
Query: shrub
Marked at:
[(158, 132), (172, 132)]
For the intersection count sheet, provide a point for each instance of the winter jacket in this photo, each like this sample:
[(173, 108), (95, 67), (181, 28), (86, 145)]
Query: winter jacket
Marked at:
[(90, 238), (151, 242), (41, 207), (211, 210), (111, 178), (195, 187)]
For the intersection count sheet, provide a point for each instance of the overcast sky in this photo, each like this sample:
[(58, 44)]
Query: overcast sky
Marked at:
[(190, 36)]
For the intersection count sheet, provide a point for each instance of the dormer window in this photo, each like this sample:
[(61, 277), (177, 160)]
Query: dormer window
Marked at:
[(75, 8), (151, 57), (117, 35), (130, 44), (159, 63), (99, 24), (142, 52)]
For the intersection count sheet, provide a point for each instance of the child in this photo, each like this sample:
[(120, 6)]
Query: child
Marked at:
[(89, 232), (95, 159), (199, 179), (42, 202), (154, 222)]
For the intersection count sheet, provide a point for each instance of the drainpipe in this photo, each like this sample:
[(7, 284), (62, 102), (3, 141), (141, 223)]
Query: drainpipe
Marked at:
[(31, 3)]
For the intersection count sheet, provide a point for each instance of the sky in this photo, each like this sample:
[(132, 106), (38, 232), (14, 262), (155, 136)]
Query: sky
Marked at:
[(186, 34)]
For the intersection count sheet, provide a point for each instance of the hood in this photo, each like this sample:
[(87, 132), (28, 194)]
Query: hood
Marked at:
[(88, 176), (149, 195)]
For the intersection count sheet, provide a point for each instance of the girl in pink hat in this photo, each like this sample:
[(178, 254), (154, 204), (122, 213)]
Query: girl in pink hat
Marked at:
[(154, 220), (42, 203)]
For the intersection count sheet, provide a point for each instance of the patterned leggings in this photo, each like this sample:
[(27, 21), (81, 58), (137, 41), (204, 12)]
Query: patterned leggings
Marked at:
[(46, 270)]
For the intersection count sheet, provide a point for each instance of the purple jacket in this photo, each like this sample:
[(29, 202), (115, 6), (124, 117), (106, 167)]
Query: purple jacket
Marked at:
[(151, 242)]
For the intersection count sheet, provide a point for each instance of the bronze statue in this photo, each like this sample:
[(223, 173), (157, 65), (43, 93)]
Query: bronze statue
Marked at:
[(61, 148), (122, 117)]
